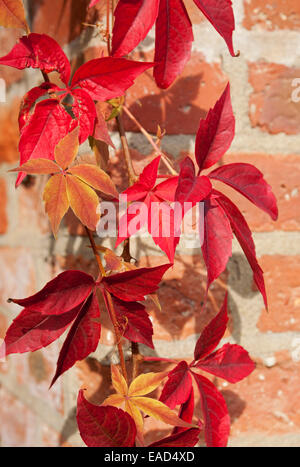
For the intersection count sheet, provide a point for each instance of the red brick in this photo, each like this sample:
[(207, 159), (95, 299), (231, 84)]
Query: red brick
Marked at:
[(283, 290), (282, 172), (36, 370), (181, 295), (266, 401), (3, 201), (8, 38), (9, 136), (269, 15), (18, 424), (31, 206), (62, 20), (179, 108), (271, 107), (17, 275)]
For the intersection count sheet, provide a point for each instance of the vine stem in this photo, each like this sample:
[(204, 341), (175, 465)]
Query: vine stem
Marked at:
[(109, 305), (149, 138), (130, 170)]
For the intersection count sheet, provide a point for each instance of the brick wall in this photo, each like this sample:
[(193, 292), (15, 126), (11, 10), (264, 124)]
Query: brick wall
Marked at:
[(264, 408)]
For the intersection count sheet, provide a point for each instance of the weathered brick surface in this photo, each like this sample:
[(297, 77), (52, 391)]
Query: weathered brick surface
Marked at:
[(282, 174), (176, 111), (283, 289), (269, 15), (9, 135), (271, 107)]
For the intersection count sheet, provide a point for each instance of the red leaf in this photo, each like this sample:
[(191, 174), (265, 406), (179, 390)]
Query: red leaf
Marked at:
[(155, 199), (178, 386), (135, 322), (216, 417), (133, 21), (85, 112), (191, 188), (186, 412), (104, 426), (243, 234), (39, 51), (31, 331), (217, 242), (48, 125), (216, 132), (134, 285), (250, 182), (83, 337), (62, 294), (149, 175), (29, 100), (173, 41), (186, 438), (108, 77), (231, 362), (220, 14), (212, 333)]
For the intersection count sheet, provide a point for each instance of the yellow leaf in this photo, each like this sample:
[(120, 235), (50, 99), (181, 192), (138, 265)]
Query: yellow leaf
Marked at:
[(83, 201), (160, 411), (118, 381), (37, 166), (134, 412), (114, 399), (56, 200), (95, 177), (12, 14), (67, 149), (145, 383)]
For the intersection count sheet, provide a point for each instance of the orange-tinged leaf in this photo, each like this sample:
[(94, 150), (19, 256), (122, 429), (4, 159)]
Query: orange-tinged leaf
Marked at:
[(160, 411), (114, 399), (95, 177), (134, 412), (118, 381), (83, 201), (56, 200), (12, 14), (145, 383), (37, 166), (67, 149)]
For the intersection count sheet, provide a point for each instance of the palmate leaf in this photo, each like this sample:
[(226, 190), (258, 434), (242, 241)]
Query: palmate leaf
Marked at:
[(71, 297), (135, 400), (230, 362), (38, 51)]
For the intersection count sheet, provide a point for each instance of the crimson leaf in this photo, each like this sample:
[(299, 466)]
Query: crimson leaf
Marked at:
[(104, 426)]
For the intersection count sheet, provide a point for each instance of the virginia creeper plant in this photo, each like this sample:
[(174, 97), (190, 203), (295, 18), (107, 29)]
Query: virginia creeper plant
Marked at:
[(53, 121)]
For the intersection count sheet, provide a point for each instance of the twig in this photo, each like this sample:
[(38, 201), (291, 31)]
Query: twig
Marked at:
[(149, 138), (131, 173)]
